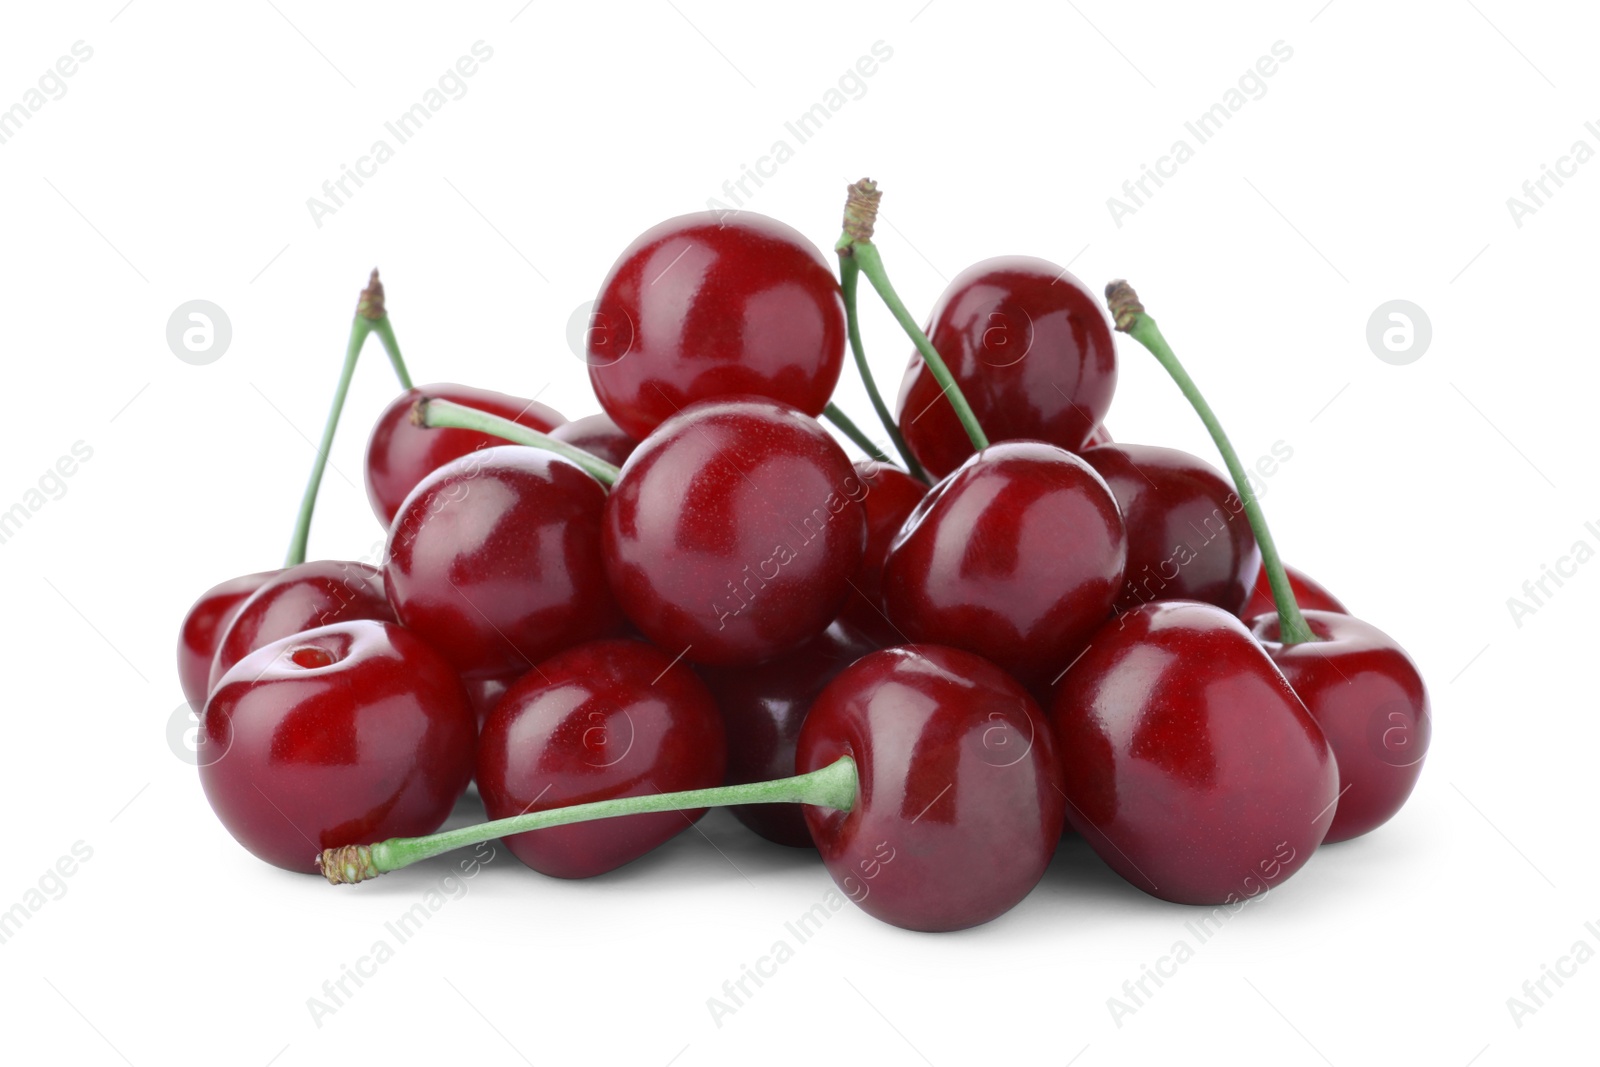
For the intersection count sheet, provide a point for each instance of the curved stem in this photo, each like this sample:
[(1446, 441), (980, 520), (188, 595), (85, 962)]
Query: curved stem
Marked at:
[(308, 502), (385, 334), (442, 414), (1130, 317), (833, 786), (848, 427), (849, 283)]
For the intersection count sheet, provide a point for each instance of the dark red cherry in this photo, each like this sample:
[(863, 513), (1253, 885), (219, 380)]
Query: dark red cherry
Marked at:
[(1031, 350), (494, 560), (1188, 538), (734, 531), (710, 305), (1016, 556), (1100, 436), (203, 627), (959, 803), (347, 733), (1191, 766), (485, 690), (1308, 593), (1368, 697), (606, 719), (764, 706), (299, 598), (400, 454), (598, 436), (892, 495)]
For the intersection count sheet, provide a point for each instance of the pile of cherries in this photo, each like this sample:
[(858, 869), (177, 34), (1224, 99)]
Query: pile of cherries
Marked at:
[(927, 671)]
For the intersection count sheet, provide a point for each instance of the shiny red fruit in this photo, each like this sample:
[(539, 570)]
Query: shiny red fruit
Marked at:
[(1308, 593), (892, 495), (1031, 349), (1368, 697), (1188, 537), (204, 625), (602, 720), (1191, 766), (734, 531), (341, 735), (959, 802), (711, 305), (400, 454), (494, 560), (598, 436), (1017, 556)]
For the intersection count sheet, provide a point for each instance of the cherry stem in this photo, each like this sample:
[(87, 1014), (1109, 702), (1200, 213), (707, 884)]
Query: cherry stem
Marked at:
[(1130, 317), (849, 283), (447, 414), (834, 786), (860, 213), (385, 334), (848, 427)]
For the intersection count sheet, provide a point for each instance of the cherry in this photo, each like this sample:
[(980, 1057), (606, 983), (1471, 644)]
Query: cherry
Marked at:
[(1366, 694), (1031, 350), (485, 690), (606, 719), (599, 436), (1016, 556), (959, 802), (1308, 593), (892, 496), (333, 736), (1186, 537), (400, 453), (709, 305), (764, 706), (1191, 767), (734, 531), (494, 559), (300, 598), (204, 625), (1101, 436)]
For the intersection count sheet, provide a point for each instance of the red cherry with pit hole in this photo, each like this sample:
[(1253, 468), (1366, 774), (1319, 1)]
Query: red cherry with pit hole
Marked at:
[(734, 531), (203, 626), (711, 305), (400, 453), (1310, 594), (614, 718), (347, 733)]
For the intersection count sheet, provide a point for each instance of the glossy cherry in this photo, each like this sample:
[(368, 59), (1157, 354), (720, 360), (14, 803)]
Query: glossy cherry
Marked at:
[(204, 625), (1191, 766), (400, 454), (1016, 556), (959, 800), (764, 707), (599, 436), (1308, 593), (494, 559), (710, 305), (734, 531), (1188, 538), (338, 735), (485, 690), (892, 495), (605, 719), (1032, 352), (303, 597)]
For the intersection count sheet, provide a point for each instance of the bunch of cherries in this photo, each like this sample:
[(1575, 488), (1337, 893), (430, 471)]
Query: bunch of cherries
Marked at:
[(927, 671)]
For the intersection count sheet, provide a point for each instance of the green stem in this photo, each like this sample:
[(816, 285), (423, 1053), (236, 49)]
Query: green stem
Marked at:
[(385, 334), (833, 786), (442, 414), (849, 283), (1130, 317), (848, 427), (308, 502)]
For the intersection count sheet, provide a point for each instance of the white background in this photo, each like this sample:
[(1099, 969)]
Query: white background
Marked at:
[(1377, 166)]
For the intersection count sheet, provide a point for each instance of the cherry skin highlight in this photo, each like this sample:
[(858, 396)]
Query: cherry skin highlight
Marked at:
[(598, 436), (400, 454), (734, 531), (611, 718), (1031, 350), (1191, 766), (1308, 593), (1188, 538), (1017, 556), (711, 305), (343, 734), (204, 625), (494, 559), (959, 804)]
